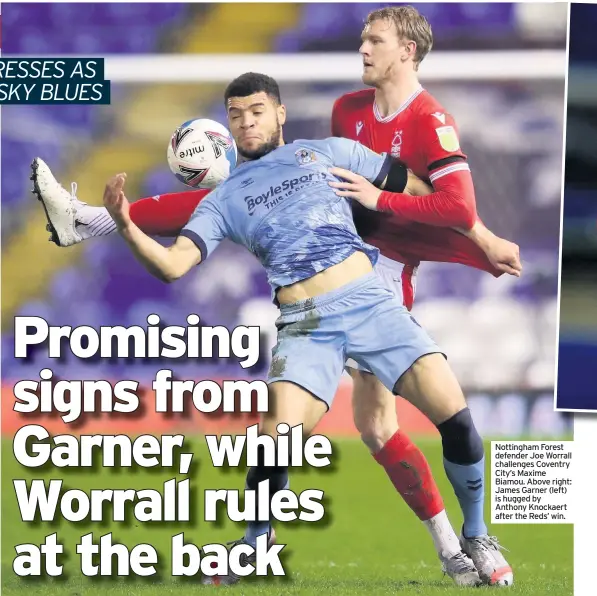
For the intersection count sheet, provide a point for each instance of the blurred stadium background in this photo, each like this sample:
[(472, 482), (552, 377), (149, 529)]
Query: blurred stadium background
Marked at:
[(578, 335), (499, 68)]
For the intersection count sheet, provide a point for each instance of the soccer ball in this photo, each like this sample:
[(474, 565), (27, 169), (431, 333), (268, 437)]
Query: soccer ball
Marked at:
[(201, 153)]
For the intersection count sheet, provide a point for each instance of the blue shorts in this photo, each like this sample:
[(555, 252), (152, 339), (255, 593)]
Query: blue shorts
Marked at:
[(392, 274), (362, 320)]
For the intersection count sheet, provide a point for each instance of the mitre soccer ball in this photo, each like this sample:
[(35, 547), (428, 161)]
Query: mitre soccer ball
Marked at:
[(201, 153)]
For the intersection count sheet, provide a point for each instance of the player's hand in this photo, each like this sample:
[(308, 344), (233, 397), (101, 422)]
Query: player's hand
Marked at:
[(355, 187), (505, 256), (115, 201)]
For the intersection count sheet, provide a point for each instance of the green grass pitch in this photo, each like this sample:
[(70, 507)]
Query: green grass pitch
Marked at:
[(369, 543)]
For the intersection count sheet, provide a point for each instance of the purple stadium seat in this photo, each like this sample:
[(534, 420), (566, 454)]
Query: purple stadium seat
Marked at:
[(324, 24)]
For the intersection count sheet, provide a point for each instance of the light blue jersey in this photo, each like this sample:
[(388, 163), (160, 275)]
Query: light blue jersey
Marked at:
[(283, 210)]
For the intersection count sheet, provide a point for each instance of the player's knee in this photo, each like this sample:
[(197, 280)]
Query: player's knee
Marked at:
[(376, 427), (376, 436), (374, 411), (461, 442)]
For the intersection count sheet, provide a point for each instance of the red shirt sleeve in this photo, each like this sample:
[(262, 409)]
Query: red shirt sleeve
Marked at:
[(166, 215), (337, 111), (452, 204)]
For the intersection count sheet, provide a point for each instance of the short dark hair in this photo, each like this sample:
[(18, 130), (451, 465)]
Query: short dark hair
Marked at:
[(252, 82)]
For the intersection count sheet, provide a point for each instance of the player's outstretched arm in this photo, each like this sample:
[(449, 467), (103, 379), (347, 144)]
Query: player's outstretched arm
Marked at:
[(503, 254), (165, 263), (452, 202), (418, 201)]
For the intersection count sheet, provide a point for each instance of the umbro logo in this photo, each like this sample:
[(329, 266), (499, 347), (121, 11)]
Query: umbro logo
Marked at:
[(359, 127)]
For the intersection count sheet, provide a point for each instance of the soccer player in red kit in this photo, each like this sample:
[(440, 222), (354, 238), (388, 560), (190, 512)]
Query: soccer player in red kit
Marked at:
[(432, 154), (397, 116)]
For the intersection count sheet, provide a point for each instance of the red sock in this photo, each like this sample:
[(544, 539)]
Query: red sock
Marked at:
[(410, 473), (165, 215)]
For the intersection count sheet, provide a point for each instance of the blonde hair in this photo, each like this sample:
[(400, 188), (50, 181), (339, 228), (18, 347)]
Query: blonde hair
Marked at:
[(410, 24)]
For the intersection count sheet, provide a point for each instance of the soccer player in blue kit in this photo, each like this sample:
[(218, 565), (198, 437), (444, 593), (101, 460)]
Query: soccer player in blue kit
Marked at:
[(281, 206)]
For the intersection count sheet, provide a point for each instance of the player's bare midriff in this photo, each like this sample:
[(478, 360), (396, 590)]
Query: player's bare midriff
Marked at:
[(353, 267)]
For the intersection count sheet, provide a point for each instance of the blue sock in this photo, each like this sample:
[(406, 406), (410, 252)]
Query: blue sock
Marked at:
[(257, 528), (468, 482), (464, 462)]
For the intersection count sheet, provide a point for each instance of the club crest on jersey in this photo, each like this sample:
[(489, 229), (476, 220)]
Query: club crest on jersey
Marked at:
[(448, 138), (305, 157), (396, 144)]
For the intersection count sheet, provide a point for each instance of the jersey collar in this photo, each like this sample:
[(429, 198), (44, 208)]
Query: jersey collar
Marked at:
[(401, 109)]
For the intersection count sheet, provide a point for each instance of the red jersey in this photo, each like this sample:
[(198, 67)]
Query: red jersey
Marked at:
[(424, 136)]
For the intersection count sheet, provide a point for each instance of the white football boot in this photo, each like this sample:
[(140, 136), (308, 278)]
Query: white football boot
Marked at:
[(485, 551), (59, 205), (231, 578), (461, 569)]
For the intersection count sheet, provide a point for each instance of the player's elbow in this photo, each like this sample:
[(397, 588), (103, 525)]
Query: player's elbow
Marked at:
[(170, 272), (175, 272), (466, 220), (177, 263), (464, 215), (166, 275), (169, 277)]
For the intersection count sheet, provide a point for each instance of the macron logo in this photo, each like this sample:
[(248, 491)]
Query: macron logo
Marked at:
[(359, 128)]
